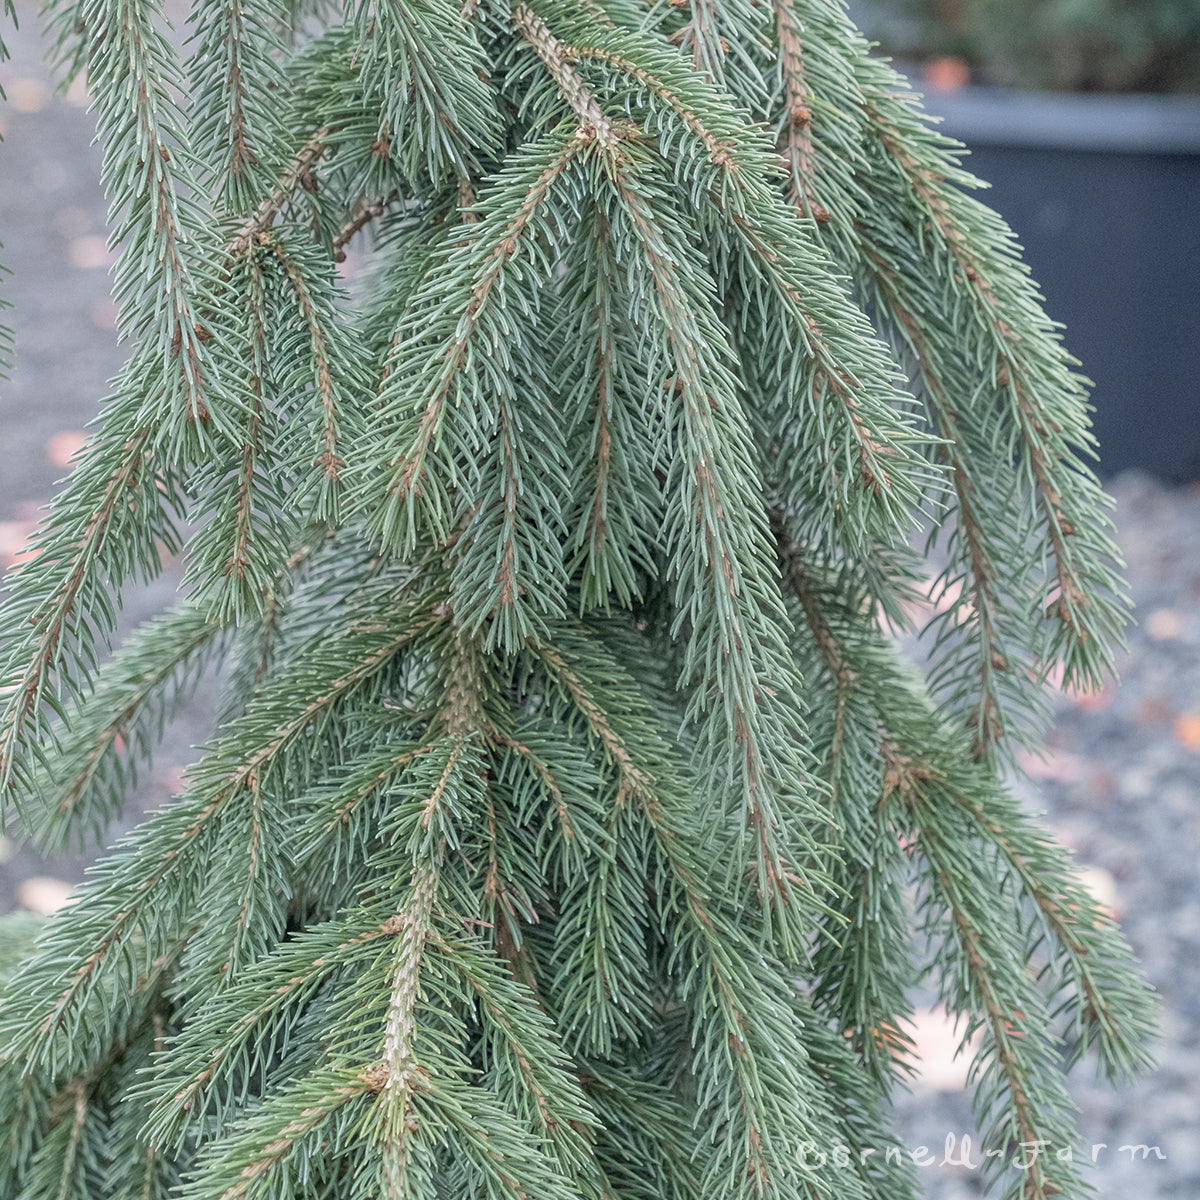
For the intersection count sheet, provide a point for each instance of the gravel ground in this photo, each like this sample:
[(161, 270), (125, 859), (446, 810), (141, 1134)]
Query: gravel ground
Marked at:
[(52, 224), (1119, 786)]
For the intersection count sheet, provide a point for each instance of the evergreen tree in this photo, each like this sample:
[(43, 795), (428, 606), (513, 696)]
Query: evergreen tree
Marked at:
[(574, 828)]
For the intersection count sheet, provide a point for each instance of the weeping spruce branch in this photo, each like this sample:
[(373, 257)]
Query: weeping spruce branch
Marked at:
[(574, 828)]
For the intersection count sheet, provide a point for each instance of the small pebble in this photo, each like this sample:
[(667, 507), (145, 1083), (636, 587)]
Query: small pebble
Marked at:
[(1164, 625)]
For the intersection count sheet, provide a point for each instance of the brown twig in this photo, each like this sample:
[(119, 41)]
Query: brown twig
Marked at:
[(796, 135), (367, 213)]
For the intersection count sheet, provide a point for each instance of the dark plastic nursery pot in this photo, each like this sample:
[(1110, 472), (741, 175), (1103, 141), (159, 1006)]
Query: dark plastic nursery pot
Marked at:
[(1104, 194)]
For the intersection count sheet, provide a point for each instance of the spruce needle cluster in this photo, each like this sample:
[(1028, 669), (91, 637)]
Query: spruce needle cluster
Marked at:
[(574, 827)]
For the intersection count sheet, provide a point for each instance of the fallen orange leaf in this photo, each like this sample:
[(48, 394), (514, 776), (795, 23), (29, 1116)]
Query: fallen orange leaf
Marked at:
[(947, 74), (1187, 730)]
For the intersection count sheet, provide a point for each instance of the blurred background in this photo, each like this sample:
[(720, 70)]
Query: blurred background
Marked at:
[(1084, 115)]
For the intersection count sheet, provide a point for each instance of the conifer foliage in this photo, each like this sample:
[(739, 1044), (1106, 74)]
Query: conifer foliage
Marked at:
[(573, 828)]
